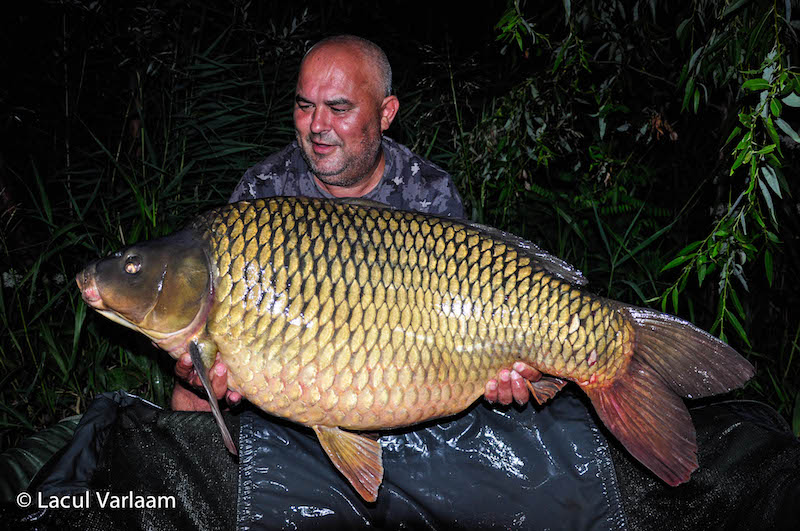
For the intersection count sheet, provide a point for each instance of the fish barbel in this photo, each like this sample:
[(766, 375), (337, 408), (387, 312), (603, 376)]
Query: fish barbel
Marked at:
[(350, 316)]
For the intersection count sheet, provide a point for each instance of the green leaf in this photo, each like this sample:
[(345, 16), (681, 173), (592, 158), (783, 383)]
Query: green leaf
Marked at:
[(792, 100), (745, 141), (676, 262), (755, 84), (702, 269), (768, 266), (675, 300), (766, 149), (740, 159), (691, 247), (775, 107), (696, 102), (767, 197), (688, 93), (734, 133), (684, 73), (736, 326), (736, 303), (796, 416), (773, 134), (744, 119), (772, 180), (786, 128)]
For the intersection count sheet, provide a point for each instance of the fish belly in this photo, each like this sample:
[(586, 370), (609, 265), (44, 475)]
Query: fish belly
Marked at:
[(360, 397)]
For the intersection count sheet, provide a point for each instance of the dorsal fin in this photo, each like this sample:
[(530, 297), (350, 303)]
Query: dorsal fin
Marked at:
[(552, 264)]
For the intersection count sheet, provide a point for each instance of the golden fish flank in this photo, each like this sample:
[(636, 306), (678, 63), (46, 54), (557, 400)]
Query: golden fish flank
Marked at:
[(350, 315), (375, 302)]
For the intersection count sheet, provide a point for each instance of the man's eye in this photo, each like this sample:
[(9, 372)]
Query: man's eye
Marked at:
[(303, 106), (338, 109)]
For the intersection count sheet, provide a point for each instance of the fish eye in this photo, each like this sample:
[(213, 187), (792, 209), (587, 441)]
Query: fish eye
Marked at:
[(133, 264)]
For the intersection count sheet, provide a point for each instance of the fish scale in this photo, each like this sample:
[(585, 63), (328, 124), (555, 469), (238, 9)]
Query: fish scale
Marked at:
[(352, 315), (384, 282)]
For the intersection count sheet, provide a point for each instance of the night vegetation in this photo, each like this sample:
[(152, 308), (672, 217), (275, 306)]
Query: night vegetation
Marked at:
[(650, 143)]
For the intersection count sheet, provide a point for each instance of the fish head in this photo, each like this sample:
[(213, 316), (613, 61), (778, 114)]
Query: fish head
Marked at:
[(161, 288)]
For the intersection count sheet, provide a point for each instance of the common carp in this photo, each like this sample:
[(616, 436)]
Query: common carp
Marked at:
[(347, 316)]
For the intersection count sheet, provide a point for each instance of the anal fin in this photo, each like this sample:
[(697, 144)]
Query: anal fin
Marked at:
[(356, 456), (546, 388)]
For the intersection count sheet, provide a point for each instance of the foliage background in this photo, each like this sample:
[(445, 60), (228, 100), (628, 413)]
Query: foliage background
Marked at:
[(650, 143)]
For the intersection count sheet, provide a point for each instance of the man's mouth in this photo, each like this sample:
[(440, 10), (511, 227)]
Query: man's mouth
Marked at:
[(321, 148)]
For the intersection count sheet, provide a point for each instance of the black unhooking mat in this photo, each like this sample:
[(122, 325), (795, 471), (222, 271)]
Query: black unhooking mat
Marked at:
[(538, 468), (124, 445)]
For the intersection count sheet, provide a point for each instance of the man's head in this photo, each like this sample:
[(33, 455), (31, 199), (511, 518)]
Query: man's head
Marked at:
[(343, 103)]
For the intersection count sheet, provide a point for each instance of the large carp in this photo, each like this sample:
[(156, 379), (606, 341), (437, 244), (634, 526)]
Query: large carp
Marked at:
[(349, 316)]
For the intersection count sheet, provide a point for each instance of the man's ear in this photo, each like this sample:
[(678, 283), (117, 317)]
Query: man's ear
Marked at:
[(388, 111)]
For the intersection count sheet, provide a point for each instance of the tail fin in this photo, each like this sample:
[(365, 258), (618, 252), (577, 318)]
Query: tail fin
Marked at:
[(672, 358)]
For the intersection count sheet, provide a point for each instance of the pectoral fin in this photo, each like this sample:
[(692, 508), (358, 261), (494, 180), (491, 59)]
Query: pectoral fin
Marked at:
[(546, 388), (356, 456), (202, 372)]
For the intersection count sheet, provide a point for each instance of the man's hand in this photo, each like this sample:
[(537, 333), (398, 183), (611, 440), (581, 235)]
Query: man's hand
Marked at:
[(510, 384), (184, 399)]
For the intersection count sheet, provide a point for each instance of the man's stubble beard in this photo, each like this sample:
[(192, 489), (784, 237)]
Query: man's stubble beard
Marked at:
[(354, 170)]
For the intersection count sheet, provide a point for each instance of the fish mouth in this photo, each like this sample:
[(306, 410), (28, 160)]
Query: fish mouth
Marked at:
[(89, 292)]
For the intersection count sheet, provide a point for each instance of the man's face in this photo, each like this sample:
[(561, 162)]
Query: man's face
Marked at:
[(337, 115)]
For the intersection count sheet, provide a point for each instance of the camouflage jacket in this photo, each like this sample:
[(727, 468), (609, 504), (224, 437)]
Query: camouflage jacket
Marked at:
[(409, 182)]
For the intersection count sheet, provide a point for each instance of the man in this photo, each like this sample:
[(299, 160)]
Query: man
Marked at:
[(343, 104)]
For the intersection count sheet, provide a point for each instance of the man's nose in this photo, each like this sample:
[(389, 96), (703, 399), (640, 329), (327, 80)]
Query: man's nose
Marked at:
[(320, 121)]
